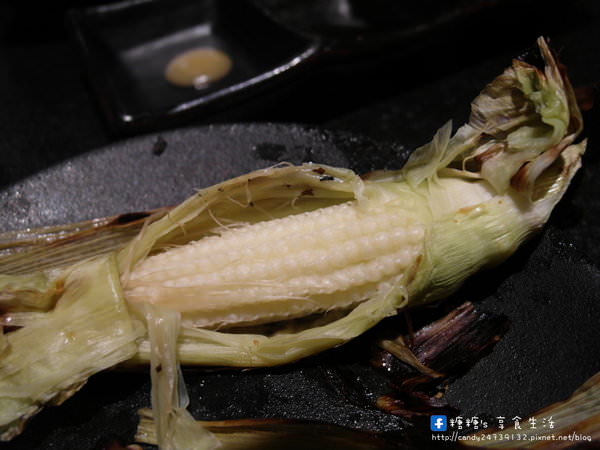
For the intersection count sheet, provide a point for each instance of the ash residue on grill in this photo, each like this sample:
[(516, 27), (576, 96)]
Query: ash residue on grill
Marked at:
[(270, 151), (159, 146), (295, 154), (365, 154)]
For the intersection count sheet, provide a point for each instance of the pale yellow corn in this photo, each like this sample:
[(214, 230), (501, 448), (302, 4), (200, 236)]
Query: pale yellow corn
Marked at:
[(315, 261)]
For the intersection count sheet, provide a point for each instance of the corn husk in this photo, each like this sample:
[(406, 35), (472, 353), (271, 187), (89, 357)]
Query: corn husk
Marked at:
[(277, 434), (48, 360)]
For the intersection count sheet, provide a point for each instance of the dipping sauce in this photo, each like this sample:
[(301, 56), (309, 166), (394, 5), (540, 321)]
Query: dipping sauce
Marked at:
[(198, 67)]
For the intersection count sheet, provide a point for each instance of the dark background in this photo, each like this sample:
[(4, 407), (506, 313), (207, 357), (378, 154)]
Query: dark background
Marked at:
[(48, 113), (399, 97)]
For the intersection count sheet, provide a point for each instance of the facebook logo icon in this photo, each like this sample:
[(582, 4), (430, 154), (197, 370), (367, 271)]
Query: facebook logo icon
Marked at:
[(439, 423)]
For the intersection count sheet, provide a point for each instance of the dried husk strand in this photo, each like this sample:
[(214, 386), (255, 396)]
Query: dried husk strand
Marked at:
[(277, 434)]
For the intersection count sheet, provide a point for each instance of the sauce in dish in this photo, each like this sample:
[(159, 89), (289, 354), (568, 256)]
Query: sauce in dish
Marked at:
[(198, 67)]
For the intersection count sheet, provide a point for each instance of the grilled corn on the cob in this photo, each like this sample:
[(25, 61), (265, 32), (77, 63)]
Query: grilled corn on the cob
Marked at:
[(289, 242)]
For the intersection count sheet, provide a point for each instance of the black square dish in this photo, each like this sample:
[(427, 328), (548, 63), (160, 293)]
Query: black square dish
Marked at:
[(126, 47)]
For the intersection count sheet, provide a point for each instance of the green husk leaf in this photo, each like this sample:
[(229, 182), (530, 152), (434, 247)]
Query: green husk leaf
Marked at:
[(425, 161), (176, 429), (44, 249), (48, 360), (197, 346), (260, 195), (37, 291), (523, 114)]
